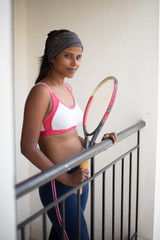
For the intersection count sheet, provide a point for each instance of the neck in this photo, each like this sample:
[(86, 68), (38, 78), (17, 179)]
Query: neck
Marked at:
[(55, 78)]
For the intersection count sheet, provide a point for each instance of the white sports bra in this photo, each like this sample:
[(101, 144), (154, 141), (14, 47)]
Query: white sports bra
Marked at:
[(62, 118)]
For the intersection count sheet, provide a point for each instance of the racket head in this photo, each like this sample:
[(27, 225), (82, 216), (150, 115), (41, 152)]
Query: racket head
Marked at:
[(99, 105)]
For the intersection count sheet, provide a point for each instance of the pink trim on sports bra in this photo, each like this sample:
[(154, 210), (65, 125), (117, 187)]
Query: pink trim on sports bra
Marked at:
[(62, 118)]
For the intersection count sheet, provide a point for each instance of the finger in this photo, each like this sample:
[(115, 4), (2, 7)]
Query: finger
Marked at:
[(105, 136), (84, 178), (85, 175), (113, 137), (85, 171)]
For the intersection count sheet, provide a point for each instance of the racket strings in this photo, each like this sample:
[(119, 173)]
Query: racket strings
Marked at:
[(101, 100)]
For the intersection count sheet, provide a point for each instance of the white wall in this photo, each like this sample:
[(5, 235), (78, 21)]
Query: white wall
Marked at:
[(20, 82), (157, 188), (120, 38), (21, 91), (7, 177)]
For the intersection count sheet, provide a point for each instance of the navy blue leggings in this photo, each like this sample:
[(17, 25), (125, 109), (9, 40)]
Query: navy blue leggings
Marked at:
[(49, 193)]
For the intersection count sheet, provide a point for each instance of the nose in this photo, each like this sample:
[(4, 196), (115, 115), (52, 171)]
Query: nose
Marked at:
[(74, 62)]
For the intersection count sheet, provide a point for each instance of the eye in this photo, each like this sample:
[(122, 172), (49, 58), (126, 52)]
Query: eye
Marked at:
[(67, 56), (79, 57)]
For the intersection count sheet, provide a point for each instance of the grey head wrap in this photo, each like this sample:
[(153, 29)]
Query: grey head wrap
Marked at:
[(60, 42)]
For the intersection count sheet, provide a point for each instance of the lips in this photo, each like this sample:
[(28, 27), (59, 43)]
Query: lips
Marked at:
[(72, 70)]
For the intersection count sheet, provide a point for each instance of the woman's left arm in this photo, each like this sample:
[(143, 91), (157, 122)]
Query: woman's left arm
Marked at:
[(111, 135), (82, 140)]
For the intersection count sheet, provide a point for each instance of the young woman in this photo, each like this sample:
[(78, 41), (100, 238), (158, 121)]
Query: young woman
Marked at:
[(50, 119)]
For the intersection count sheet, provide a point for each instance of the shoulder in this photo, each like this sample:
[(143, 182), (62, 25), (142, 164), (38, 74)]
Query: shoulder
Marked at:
[(40, 93), (39, 89)]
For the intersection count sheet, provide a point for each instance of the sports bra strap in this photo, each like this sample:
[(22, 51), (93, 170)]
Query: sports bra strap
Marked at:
[(40, 83)]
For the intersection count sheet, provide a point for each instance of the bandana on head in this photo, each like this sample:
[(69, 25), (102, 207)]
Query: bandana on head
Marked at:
[(62, 41)]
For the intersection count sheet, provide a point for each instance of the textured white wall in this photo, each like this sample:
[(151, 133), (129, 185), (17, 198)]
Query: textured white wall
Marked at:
[(21, 91), (120, 38), (157, 185), (20, 80), (7, 154)]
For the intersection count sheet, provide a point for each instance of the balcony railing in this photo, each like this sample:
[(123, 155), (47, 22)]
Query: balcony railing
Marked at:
[(132, 173)]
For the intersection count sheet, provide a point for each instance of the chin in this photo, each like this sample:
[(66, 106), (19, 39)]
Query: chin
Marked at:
[(70, 75)]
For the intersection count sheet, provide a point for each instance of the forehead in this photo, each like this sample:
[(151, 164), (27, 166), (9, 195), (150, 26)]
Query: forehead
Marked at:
[(73, 50)]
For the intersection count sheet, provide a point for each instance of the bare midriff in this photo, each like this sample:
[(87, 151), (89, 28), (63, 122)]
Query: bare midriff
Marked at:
[(61, 146)]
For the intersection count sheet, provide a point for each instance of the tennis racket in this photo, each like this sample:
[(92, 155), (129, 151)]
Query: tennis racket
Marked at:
[(98, 109)]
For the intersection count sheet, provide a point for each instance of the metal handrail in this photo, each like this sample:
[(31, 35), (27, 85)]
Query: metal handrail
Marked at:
[(43, 177)]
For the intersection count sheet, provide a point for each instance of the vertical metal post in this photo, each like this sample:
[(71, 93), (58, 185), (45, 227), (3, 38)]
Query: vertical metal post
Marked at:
[(137, 192), (92, 198), (103, 204), (63, 219), (130, 199), (22, 233), (78, 215), (122, 195), (44, 223), (113, 201)]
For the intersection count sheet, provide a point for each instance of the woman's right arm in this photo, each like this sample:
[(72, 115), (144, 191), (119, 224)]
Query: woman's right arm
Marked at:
[(36, 108)]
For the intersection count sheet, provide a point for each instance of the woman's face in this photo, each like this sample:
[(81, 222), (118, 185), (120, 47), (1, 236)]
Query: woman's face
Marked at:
[(67, 62)]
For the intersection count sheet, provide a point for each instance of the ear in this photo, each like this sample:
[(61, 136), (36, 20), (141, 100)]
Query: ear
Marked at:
[(52, 61)]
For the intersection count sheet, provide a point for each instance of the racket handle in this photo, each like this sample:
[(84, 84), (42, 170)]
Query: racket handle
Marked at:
[(80, 191), (86, 142), (84, 164)]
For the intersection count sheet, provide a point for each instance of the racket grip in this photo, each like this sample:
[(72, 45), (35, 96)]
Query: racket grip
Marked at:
[(84, 164), (80, 191)]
